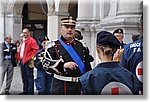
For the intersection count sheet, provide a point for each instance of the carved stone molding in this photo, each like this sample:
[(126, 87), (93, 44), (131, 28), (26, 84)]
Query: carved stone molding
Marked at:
[(51, 7), (8, 6)]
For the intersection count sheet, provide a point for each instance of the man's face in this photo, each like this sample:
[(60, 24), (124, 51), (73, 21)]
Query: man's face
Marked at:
[(8, 39), (119, 37), (26, 33), (44, 44), (68, 32)]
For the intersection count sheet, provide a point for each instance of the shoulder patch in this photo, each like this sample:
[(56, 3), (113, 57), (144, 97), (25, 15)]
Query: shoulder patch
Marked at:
[(83, 43), (50, 44)]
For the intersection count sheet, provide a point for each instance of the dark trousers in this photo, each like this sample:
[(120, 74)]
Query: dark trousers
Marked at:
[(43, 82), (27, 78), (59, 87)]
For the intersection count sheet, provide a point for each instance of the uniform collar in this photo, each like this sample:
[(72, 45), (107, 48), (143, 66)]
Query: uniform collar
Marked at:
[(108, 64), (67, 42)]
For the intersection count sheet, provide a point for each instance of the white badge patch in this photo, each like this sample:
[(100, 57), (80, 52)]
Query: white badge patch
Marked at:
[(139, 71), (116, 88)]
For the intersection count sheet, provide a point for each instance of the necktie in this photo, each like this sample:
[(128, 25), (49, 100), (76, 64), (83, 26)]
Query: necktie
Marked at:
[(8, 46)]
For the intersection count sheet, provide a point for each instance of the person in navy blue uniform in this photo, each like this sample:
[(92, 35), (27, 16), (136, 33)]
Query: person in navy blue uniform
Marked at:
[(108, 77), (68, 59), (132, 57), (9, 62), (43, 81)]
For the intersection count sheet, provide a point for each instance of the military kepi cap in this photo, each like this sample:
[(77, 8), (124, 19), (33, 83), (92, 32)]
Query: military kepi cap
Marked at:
[(68, 21), (44, 38), (107, 39), (119, 30)]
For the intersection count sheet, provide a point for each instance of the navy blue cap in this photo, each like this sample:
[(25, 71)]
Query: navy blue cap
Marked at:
[(43, 39), (78, 35), (119, 30), (107, 38)]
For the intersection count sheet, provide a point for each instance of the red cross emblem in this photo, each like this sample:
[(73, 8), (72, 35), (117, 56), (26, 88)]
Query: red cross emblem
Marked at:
[(140, 71), (115, 91), (116, 88)]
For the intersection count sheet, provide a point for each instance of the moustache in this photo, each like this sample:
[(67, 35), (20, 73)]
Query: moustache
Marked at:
[(70, 33)]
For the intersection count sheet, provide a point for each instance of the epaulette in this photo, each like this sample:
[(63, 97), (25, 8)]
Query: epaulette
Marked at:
[(84, 44), (49, 44)]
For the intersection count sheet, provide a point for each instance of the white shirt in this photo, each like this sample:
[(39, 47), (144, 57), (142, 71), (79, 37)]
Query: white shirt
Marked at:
[(22, 49)]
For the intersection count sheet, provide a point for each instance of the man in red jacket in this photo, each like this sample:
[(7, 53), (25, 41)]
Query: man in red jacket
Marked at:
[(28, 50)]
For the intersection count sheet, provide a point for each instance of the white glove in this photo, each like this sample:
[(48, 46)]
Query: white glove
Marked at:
[(7, 50), (14, 48)]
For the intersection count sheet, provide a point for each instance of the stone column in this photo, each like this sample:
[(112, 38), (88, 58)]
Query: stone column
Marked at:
[(84, 20), (13, 26), (56, 11), (1, 36), (17, 27), (131, 11), (2, 21), (9, 25), (85, 16), (89, 15), (94, 23), (129, 7), (123, 14), (54, 24)]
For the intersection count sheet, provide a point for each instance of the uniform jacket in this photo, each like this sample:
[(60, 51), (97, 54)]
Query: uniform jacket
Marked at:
[(95, 80), (30, 50), (122, 45), (38, 63), (12, 51), (132, 56), (57, 50)]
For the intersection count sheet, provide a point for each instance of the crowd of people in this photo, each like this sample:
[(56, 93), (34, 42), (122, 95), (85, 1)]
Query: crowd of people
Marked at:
[(63, 66)]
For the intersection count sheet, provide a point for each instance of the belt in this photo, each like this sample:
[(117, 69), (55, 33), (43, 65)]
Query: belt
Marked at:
[(64, 78)]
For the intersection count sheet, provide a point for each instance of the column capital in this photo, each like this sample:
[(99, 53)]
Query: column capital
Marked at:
[(13, 16), (60, 13)]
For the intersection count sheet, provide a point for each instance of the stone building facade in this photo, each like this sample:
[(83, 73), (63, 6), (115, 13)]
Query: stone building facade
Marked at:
[(92, 16)]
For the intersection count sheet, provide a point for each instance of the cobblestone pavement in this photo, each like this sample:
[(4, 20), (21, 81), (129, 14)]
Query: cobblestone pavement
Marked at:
[(16, 86)]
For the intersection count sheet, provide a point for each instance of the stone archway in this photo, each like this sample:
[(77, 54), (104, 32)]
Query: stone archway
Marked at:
[(11, 19), (56, 10), (17, 18)]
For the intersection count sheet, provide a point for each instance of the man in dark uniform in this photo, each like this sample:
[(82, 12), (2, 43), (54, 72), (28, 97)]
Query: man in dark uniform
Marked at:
[(118, 33), (108, 77), (43, 81), (132, 58), (78, 35), (68, 59)]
